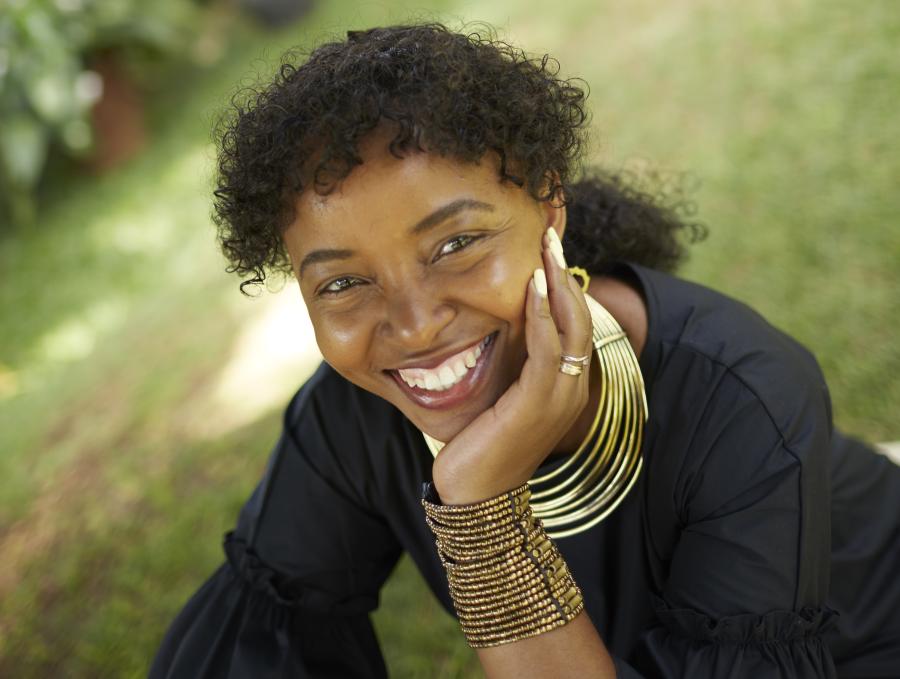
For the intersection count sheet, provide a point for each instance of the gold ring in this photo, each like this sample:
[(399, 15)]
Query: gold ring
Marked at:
[(583, 361), (570, 369)]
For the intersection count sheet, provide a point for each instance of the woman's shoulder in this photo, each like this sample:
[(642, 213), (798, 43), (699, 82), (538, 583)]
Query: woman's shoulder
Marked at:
[(333, 400), (333, 465), (717, 356), (688, 317), (696, 316), (341, 426)]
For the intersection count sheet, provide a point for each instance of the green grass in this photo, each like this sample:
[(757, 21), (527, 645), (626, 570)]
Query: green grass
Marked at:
[(126, 447)]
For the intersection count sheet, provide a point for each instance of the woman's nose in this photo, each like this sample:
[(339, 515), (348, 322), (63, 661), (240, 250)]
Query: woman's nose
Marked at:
[(415, 318)]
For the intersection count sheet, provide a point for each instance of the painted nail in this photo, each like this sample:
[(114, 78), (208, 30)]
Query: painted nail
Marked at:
[(540, 282), (556, 249)]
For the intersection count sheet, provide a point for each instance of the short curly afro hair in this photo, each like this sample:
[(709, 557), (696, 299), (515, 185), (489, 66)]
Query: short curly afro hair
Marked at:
[(455, 94)]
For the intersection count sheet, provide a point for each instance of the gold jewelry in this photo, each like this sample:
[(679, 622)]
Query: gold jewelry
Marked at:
[(570, 369), (586, 488), (581, 273), (573, 365), (507, 578)]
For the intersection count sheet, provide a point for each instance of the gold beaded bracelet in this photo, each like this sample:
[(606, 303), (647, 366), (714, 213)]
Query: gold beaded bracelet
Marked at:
[(507, 578)]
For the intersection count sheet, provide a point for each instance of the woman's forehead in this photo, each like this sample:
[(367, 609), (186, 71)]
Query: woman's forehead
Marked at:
[(401, 191)]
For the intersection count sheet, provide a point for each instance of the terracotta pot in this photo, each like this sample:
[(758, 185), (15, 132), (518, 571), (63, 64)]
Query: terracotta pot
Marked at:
[(117, 117)]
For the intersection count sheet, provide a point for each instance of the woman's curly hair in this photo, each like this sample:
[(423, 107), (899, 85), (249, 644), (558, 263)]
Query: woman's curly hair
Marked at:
[(458, 95)]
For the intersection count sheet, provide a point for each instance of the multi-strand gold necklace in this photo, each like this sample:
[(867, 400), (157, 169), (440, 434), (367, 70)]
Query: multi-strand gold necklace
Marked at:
[(593, 481)]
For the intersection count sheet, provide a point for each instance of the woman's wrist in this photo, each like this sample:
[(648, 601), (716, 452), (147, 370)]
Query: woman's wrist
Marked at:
[(507, 578), (454, 489)]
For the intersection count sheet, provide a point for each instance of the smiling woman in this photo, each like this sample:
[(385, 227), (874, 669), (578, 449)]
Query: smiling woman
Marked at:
[(419, 184)]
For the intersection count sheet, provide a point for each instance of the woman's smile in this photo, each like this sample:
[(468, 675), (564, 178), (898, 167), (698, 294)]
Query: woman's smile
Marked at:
[(448, 382)]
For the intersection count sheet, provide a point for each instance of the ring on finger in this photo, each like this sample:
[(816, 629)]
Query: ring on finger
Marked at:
[(573, 365), (570, 368)]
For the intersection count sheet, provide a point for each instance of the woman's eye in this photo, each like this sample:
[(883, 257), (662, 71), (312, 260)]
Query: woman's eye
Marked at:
[(338, 285), (456, 243)]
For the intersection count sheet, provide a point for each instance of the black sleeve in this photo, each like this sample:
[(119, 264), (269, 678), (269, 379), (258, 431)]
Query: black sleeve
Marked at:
[(303, 571), (747, 583)]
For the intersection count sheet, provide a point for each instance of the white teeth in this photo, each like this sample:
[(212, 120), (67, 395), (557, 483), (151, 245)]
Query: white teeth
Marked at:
[(448, 377), (450, 373), (459, 367)]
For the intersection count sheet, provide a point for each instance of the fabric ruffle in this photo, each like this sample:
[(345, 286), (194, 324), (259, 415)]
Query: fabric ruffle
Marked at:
[(747, 628), (248, 620), (777, 645), (313, 593), (259, 576)]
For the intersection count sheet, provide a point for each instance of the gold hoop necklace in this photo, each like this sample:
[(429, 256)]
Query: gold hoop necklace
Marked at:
[(610, 455)]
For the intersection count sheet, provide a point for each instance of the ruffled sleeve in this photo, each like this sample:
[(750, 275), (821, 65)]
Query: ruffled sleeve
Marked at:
[(775, 644), (303, 568), (743, 594)]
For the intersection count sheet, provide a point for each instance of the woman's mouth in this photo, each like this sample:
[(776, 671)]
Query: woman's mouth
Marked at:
[(454, 380)]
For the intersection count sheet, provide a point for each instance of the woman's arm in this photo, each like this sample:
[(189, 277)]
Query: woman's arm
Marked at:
[(304, 565), (573, 651)]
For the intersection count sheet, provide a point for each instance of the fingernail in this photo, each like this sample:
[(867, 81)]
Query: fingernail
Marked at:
[(556, 249), (540, 282)]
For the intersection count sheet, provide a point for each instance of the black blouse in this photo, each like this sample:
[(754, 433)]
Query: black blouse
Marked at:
[(758, 541)]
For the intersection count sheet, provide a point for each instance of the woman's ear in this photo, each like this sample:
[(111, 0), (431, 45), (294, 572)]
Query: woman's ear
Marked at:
[(554, 209)]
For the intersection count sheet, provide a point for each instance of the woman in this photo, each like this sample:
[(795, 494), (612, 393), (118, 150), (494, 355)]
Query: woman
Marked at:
[(418, 184)]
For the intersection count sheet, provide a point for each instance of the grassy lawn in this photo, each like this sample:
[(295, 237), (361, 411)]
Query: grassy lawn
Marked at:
[(140, 393)]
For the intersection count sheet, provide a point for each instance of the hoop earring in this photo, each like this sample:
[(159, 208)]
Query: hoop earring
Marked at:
[(585, 277)]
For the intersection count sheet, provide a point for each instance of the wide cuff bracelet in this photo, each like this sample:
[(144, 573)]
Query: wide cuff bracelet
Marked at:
[(507, 578)]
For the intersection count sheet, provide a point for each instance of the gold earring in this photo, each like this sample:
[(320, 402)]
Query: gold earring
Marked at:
[(585, 277)]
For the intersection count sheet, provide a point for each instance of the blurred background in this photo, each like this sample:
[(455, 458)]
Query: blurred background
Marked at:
[(141, 393)]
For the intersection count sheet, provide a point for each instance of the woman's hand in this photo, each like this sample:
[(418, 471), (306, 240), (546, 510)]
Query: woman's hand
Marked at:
[(502, 447)]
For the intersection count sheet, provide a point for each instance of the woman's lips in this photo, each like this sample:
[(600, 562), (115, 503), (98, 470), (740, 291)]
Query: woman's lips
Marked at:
[(459, 392)]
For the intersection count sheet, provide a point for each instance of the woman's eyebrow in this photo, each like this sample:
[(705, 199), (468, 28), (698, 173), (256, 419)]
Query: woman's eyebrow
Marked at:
[(317, 256), (449, 210), (437, 217)]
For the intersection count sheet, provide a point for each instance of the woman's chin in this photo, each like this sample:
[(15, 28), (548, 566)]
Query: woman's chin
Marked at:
[(444, 425), (445, 430)]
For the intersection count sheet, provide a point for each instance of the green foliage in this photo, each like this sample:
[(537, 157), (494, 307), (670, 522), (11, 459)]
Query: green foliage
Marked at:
[(46, 87)]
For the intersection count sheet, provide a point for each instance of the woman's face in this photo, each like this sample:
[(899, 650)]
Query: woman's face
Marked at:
[(407, 267)]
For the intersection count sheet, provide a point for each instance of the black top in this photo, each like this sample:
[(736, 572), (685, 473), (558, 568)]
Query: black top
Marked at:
[(757, 542)]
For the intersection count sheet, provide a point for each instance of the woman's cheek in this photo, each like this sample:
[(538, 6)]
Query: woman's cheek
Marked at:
[(508, 282), (339, 342)]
